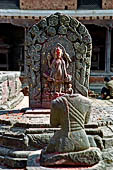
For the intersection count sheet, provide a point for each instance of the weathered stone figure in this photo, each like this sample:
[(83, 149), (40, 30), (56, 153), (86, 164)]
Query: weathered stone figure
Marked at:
[(71, 112), (70, 145)]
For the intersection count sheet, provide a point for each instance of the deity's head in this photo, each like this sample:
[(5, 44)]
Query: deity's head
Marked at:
[(58, 52), (70, 85)]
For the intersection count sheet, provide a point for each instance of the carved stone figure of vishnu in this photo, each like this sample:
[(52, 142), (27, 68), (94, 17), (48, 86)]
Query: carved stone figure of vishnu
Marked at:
[(58, 66)]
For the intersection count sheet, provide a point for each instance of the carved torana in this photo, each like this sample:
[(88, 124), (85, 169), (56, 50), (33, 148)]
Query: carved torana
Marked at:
[(58, 59)]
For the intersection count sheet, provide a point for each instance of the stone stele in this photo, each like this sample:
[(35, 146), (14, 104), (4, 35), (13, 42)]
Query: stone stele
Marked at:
[(72, 75)]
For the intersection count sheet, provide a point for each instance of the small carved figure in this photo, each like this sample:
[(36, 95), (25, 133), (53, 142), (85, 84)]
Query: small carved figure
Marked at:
[(46, 89), (58, 68), (69, 89)]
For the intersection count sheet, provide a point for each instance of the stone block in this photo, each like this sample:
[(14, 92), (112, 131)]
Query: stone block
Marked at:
[(108, 142), (107, 131), (15, 162), (10, 90), (12, 142)]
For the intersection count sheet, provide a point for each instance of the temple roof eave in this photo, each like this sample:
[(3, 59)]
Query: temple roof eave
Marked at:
[(26, 18), (77, 13)]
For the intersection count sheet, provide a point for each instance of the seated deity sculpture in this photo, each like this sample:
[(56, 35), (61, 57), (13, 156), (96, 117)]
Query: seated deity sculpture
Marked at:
[(70, 145), (71, 112)]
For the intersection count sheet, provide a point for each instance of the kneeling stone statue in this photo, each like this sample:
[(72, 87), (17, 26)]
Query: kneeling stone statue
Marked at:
[(67, 144)]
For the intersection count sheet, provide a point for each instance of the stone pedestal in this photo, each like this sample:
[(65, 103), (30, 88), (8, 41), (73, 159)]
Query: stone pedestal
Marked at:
[(90, 156), (87, 158)]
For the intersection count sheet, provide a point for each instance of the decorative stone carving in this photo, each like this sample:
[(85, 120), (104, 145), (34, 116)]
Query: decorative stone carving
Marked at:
[(58, 69), (70, 145), (41, 40), (71, 112)]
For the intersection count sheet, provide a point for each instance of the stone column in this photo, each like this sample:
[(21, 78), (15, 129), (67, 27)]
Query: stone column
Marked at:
[(108, 50)]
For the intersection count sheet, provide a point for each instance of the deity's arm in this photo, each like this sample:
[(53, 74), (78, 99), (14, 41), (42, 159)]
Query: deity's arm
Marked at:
[(48, 59), (64, 68)]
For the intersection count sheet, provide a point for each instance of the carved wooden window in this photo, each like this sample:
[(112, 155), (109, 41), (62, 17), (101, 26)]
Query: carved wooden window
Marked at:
[(89, 4)]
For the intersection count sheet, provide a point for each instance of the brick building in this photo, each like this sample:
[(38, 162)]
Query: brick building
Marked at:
[(16, 16)]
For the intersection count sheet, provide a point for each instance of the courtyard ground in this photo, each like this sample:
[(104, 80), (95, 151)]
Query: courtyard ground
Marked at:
[(101, 109)]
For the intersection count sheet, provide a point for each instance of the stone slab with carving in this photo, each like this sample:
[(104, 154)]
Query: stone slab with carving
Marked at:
[(52, 72)]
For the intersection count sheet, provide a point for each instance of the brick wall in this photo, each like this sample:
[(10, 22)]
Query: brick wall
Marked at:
[(58, 5), (107, 4), (48, 4)]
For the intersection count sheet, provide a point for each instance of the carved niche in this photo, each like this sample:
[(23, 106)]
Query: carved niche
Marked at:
[(42, 42)]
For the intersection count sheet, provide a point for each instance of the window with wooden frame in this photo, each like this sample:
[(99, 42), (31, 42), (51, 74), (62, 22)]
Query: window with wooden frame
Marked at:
[(89, 4)]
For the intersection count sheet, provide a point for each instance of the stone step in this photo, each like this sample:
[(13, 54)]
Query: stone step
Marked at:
[(41, 130), (31, 125), (13, 158), (13, 142), (13, 162), (27, 141), (5, 122), (38, 123), (37, 111)]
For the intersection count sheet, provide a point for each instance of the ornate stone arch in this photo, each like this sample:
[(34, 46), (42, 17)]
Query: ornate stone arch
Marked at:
[(41, 40)]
